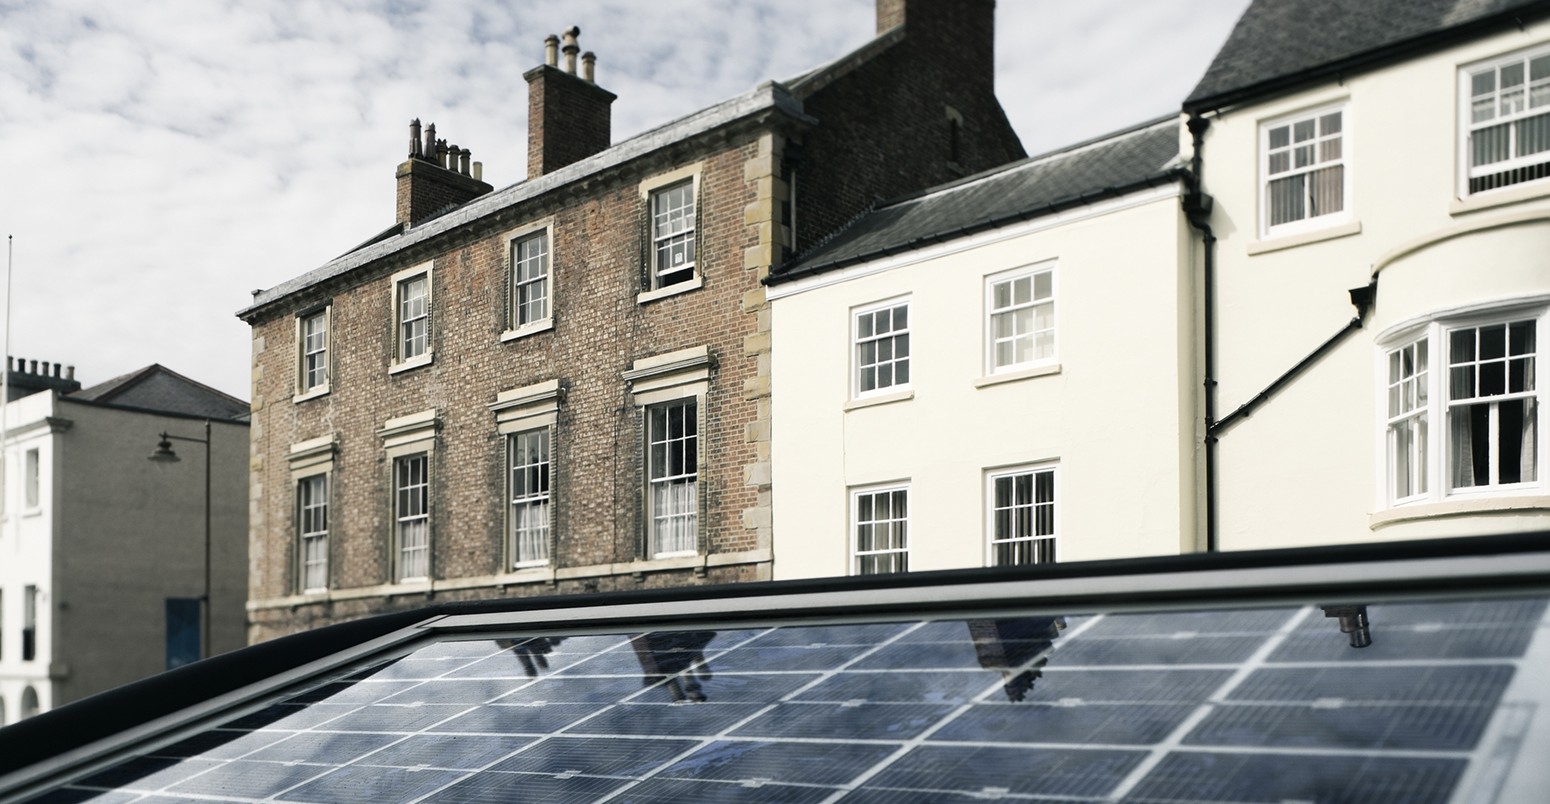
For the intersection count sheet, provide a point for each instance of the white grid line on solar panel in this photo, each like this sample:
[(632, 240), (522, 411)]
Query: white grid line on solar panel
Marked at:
[(770, 707), (1381, 663), (924, 736), (1175, 738), (543, 736)]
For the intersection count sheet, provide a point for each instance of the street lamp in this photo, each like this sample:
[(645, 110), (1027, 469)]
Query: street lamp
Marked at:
[(164, 454)]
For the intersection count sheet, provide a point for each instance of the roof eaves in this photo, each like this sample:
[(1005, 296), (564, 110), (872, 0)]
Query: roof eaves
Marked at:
[(1196, 104), (769, 96), (1171, 173)]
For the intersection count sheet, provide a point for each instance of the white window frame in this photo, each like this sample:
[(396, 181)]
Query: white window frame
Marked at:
[(1032, 274), (1468, 127), (407, 566), (859, 495), (650, 190), (670, 378), (667, 523), (1309, 222), (1435, 453), (673, 227), (312, 354), (859, 363), (402, 360), (523, 529), (1040, 514), (543, 278), (312, 531)]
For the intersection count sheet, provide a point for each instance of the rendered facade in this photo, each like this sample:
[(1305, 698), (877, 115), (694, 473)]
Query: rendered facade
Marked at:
[(95, 540), (1389, 205), (1321, 321), (977, 399), (565, 385)]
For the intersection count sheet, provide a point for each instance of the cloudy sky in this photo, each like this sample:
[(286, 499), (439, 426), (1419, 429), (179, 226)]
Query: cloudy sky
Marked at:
[(159, 160)]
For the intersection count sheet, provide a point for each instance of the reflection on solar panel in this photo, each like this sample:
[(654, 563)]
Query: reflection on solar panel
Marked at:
[(1269, 704)]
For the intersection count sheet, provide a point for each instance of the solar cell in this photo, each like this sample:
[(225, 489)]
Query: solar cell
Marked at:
[(1332, 778)]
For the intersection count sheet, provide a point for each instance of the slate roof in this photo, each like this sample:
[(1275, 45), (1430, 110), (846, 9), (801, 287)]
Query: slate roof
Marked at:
[(159, 389), (1281, 44), (1120, 163)]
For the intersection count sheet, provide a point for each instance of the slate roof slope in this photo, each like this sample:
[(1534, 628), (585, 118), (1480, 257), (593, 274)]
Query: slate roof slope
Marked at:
[(1280, 44), (159, 389), (1129, 160)]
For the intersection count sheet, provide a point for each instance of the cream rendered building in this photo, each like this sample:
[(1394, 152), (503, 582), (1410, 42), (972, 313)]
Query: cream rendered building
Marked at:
[(997, 371), (1318, 317), (1404, 165)]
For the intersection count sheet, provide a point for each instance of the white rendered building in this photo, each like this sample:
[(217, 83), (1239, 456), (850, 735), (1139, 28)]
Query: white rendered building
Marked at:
[(95, 540), (994, 372), (1403, 165)]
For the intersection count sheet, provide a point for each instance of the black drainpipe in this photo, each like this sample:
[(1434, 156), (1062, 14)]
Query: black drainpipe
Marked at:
[(1197, 210)]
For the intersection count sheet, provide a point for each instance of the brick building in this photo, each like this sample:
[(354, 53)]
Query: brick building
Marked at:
[(564, 385)]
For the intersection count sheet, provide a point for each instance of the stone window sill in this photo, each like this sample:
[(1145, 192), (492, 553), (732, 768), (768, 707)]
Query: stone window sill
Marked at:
[(1276, 243), (412, 363), (527, 329), (671, 290), (879, 399), (1018, 374)]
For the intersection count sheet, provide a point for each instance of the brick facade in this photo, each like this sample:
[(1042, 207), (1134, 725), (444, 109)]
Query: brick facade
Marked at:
[(602, 329)]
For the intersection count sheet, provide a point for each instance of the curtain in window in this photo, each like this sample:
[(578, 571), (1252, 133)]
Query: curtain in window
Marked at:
[(675, 506)]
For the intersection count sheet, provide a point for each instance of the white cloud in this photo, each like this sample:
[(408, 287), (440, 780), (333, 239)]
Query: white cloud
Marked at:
[(163, 158)]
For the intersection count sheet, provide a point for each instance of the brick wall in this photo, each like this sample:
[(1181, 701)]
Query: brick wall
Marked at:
[(599, 331), (885, 124)]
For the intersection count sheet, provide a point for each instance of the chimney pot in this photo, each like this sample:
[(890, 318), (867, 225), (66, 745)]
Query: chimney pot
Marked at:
[(571, 49), (414, 138), (441, 153), (462, 165), (34, 367), (428, 151), (552, 50), (70, 373), (55, 367), (589, 67), (478, 171)]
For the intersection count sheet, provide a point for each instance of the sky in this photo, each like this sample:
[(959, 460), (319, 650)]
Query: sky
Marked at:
[(160, 160)]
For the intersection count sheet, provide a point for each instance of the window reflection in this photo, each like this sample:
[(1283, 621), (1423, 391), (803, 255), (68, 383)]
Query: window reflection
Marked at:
[(677, 657), (1018, 648), (1353, 623), (532, 653)]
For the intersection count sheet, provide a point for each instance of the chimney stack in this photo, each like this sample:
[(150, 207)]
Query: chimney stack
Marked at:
[(28, 377), (568, 115), (435, 176)]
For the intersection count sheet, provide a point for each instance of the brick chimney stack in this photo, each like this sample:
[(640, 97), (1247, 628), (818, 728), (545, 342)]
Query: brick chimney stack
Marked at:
[(967, 27), (436, 176), (569, 117)]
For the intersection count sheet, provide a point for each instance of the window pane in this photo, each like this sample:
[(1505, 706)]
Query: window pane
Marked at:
[(1482, 82), (1280, 136), (1330, 123), (1022, 288), (1001, 295), (1043, 285)]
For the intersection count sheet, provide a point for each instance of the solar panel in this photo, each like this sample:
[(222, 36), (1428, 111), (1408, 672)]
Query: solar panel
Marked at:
[(1253, 704)]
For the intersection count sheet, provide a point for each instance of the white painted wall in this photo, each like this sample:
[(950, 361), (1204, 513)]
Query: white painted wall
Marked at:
[(1117, 419), (1308, 466), (26, 552)]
